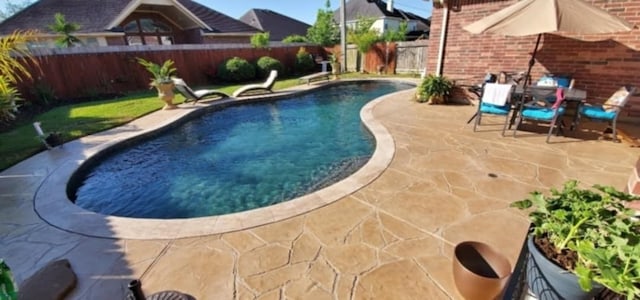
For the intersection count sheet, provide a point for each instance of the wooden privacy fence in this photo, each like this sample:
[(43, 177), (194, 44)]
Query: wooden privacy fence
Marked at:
[(402, 57), (74, 73)]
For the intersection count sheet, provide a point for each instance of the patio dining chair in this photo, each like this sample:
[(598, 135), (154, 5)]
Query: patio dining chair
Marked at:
[(545, 112), (609, 111), (495, 100)]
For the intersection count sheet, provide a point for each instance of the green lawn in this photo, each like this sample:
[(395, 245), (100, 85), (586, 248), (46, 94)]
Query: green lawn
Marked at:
[(78, 120)]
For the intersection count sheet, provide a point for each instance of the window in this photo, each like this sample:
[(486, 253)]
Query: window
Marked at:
[(147, 31)]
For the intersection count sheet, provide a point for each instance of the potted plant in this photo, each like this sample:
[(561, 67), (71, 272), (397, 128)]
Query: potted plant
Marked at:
[(583, 239), (434, 89), (334, 60), (162, 80)]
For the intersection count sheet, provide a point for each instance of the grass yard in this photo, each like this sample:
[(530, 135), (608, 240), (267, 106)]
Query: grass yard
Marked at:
[(78, 120)]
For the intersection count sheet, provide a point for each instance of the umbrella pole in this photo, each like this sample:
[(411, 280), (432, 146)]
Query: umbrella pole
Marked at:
[(532, 61)]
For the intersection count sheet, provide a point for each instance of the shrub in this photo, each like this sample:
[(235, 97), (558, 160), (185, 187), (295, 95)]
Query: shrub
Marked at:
[(304, 61), (236, 69), (295, 38), (265, 64), (260, 40)]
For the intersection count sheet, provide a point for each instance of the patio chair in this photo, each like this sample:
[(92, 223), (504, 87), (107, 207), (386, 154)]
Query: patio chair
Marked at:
[(609, 111), (494, 99), (542, 113), (266, 86), (195, 96)]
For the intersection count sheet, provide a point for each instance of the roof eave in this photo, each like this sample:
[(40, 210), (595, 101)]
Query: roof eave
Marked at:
[(133, 5)]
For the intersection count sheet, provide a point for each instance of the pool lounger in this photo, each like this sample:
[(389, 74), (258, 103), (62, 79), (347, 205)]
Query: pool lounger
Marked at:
[(315, 76)]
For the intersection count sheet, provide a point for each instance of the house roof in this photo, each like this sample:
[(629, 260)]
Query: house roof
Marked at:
[(377, 9), (96, 16), (279, 26)]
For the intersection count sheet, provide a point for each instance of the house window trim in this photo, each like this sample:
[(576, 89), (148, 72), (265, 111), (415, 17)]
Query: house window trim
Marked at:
[(143, 36)]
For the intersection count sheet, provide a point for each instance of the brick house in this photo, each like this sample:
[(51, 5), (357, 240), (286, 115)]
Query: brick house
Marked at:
[(131, 22), (600, 64)]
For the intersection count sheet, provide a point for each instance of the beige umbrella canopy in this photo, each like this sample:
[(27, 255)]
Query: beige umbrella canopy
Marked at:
[(530, 17)]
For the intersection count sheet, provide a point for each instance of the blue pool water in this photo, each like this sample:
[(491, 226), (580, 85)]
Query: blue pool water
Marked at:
[(238, 158)]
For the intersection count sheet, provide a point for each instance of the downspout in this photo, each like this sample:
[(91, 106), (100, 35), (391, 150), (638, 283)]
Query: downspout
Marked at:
[(443, 36)]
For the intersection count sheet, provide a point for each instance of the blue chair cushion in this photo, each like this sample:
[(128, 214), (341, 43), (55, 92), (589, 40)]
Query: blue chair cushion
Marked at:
[(541, 113), (597, 112), (486, 108)]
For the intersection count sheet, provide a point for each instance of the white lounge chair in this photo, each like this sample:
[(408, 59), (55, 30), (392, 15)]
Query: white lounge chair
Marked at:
[(266, 86), (198, 95)]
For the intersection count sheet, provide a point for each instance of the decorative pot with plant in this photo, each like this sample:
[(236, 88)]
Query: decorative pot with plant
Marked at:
[(334, 60), (161, 80), (589, 235), (434, 89)]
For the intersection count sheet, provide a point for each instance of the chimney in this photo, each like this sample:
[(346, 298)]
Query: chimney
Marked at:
[(390, 6)]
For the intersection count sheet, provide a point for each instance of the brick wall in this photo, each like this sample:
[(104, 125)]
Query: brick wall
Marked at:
[(600, 64)]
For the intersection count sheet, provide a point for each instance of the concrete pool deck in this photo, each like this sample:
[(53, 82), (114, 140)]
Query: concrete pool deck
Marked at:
[(391, 239)]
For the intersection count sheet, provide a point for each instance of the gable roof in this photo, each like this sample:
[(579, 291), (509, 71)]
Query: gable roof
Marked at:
[(376, 9), (98, 16), (279, 26)]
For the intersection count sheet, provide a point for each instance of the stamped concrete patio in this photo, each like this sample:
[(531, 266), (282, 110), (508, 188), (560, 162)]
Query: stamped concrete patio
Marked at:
[(391, 239)]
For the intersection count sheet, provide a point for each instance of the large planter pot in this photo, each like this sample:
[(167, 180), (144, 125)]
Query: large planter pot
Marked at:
[(549, 281), (479, 271), (165, 93)]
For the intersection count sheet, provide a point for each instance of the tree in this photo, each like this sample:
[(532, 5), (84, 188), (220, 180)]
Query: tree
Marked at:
[(325, 31), (66, 29), (260, 40), (364, 37), (11, 8), (398, 35)]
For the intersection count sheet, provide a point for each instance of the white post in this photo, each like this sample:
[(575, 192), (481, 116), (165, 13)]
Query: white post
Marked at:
[(443, 37), (343, 36), (36, 125)]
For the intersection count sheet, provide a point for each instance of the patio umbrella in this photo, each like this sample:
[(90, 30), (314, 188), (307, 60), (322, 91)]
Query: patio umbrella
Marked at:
[(530, 17)]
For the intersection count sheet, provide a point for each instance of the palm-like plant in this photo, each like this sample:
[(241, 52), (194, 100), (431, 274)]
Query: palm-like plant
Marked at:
[(161, 73), (14, 55), (9, 98), (66, 29)]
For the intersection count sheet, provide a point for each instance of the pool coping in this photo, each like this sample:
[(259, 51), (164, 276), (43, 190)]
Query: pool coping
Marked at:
[(53, 206)]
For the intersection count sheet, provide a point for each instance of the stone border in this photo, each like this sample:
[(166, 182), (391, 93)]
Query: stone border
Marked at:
[(53, 206)]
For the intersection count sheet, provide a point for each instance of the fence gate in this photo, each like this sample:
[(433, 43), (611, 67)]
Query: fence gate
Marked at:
[(411, 57)]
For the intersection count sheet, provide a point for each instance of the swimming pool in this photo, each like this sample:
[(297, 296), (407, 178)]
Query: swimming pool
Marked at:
[(238, 158)]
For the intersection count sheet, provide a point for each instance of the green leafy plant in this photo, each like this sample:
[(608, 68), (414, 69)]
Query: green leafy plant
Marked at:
[(294, 38), (324, 31), (8, 288), (265, 64), (66, 30), (9, 98), (304, 62), (260, 40), (595, 227), (434, 89), (236, 69), (161, 73)]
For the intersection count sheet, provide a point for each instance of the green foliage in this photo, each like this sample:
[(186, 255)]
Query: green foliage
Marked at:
[(265, 64), (324, 31), (596, 224), (9, 98), (304, 61), (295, 38), (236, 69), (66, 30), (14, 56), (8, 288), (433, 85), (161, 74), (260, 40), (398, 35)]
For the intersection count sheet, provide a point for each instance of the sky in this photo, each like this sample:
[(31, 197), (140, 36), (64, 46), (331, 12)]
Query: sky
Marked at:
[(303, 10)]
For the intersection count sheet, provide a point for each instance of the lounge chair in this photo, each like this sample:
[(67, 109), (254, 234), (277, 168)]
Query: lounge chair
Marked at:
[(266, 86), (315, 76), (608, 111), (195, 96)]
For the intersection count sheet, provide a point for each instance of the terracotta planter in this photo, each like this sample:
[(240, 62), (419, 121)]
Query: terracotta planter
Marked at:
[(479, 271), (165, 93), (549, 281)]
